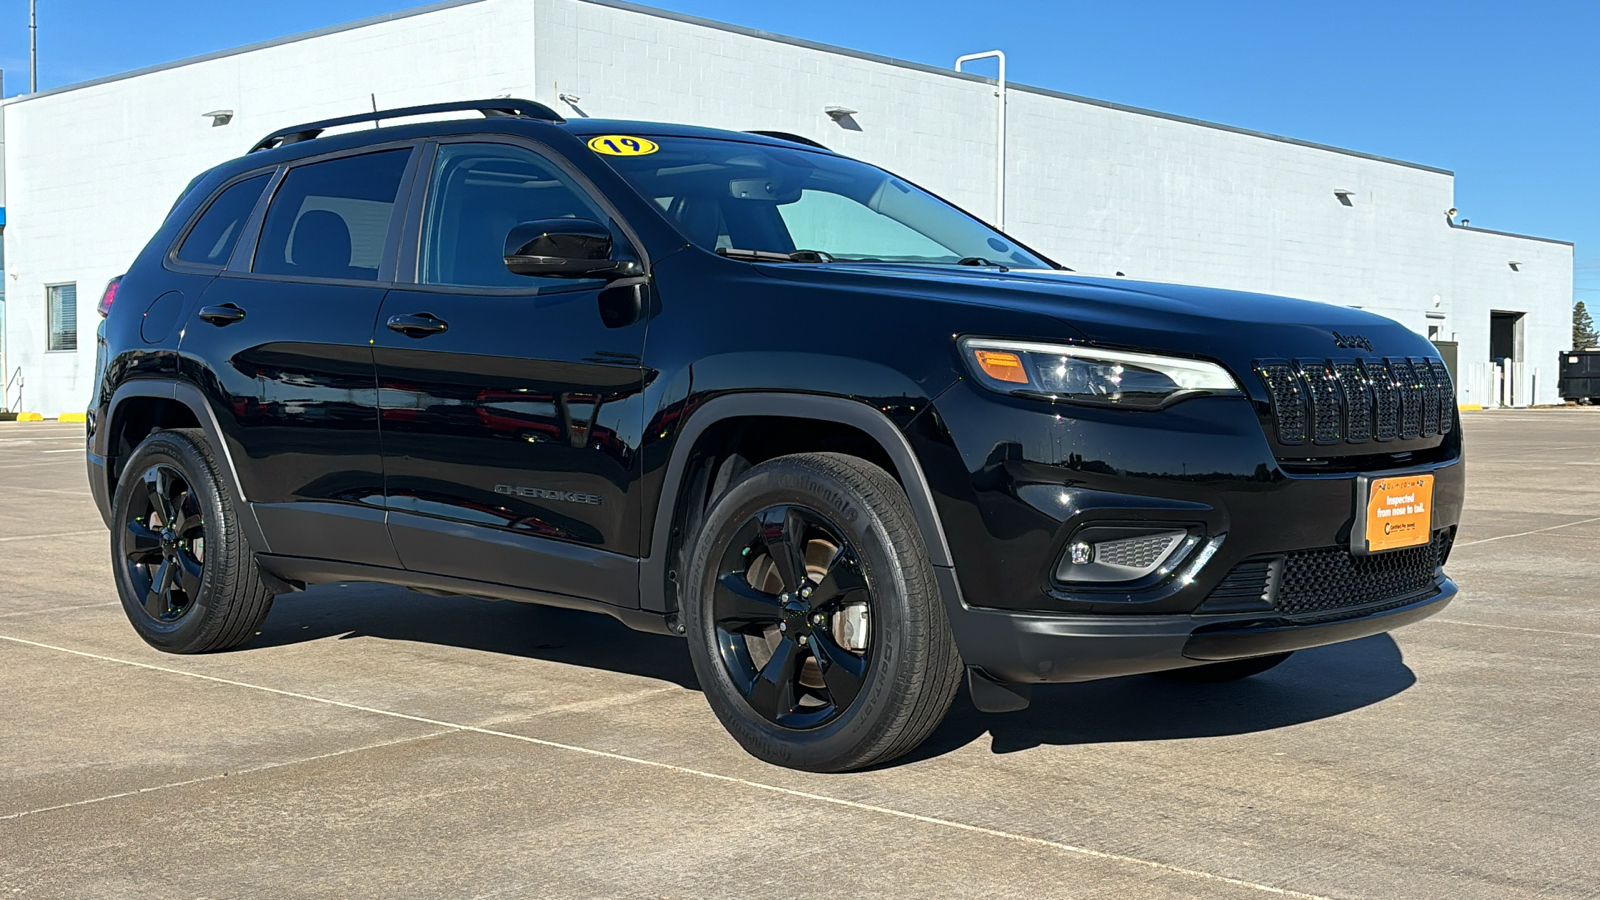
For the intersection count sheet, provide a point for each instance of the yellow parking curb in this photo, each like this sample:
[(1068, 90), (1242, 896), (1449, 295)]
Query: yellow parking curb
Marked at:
[(29, 417), (1471, 407), (73, 417)]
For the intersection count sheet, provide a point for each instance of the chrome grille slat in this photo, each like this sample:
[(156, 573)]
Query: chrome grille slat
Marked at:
[(1329, 401)]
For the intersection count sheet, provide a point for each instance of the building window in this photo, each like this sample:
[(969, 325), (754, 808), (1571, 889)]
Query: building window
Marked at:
[(62, 300)]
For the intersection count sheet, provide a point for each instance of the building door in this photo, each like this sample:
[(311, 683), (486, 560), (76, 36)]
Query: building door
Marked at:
[(511, 407), (1505, 336)]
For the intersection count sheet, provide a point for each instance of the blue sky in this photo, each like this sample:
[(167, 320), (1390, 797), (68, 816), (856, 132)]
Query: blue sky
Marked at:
[(1505, 94)]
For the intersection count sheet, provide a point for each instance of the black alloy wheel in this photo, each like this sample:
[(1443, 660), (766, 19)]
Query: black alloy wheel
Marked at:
[(184, 569), (165, 547), (814, 619), (792, 612)]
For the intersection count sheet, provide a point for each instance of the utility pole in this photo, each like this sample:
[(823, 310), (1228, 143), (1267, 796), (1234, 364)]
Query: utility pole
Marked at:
[(1000, 133), (33, 46)]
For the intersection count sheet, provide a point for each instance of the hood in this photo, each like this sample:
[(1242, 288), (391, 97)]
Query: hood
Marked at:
[(1233, 327)]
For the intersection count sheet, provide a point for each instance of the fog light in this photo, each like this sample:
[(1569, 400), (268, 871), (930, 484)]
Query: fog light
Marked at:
[(1110, 555)]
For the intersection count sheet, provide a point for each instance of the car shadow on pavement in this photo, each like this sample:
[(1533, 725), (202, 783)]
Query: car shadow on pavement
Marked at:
[(1312, 684), (350, 611)]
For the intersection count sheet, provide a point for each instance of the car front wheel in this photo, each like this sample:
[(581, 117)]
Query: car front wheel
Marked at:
[(814, 622)]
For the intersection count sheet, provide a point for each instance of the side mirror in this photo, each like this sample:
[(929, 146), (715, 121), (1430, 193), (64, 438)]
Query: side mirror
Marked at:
[(563, 248)]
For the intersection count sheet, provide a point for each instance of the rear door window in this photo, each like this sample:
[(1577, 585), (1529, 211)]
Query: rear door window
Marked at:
[(212, 239), (332, 219)]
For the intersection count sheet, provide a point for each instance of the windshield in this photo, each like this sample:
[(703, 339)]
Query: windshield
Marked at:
[(753, 201)]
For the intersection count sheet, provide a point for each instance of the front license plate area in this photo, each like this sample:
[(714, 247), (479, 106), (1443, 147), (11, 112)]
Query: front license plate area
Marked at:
[(1392, 512)]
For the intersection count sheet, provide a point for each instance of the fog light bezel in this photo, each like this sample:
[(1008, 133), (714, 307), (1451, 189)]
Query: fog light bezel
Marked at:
[(1177, 557)]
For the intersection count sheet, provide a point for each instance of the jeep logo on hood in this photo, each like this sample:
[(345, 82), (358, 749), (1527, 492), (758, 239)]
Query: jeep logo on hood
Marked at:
[(1351, 342)]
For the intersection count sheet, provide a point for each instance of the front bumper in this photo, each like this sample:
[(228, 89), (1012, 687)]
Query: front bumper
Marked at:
[(1031, 648)]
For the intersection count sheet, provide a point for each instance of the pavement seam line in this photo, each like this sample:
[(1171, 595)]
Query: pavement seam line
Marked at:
[(36, 537), (56, 609), (1586, 634), (1526, 533), (221, 775), (712, 776)]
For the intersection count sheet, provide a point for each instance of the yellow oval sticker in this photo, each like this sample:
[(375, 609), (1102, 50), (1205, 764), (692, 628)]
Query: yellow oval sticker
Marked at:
[(622, 145)]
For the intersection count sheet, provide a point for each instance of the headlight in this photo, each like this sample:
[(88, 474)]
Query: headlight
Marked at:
[(1088, 375)]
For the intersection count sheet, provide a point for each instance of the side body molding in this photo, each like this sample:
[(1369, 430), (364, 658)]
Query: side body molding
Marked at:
[(653, 573), (191, 397)]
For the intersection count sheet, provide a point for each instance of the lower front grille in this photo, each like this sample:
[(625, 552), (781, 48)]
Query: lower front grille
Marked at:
[(1313, 583), (1330, 578)]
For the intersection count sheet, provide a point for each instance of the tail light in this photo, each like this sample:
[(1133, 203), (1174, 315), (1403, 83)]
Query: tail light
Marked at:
[(108, 295)]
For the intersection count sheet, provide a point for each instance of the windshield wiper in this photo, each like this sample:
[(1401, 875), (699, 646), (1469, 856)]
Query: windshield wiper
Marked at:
[(811, 256), (980, 261)]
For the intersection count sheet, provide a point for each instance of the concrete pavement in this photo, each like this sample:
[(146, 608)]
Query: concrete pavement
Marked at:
[(373, 741)]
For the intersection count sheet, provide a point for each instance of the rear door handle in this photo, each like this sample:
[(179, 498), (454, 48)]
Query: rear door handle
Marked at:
[(226, 314), (418, 325)]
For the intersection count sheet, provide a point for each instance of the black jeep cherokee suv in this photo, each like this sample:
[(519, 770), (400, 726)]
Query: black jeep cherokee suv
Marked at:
[(847, 439)]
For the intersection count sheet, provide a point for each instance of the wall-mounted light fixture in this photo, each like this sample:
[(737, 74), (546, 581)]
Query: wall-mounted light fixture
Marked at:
[(1515, 266), (1450, 216), (1344, 196), (569, 99), (837, 113), (218, 117)]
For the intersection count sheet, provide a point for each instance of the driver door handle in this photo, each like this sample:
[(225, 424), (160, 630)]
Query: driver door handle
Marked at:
[(418, 325), (226, 314)]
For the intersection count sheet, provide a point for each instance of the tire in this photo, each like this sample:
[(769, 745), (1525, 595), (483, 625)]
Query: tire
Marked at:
[(1232, 670), (214, 598), (859, 666)]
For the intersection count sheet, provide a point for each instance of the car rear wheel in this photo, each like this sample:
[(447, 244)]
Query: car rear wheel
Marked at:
[(185, 572), (1232, 670), (814, 622)]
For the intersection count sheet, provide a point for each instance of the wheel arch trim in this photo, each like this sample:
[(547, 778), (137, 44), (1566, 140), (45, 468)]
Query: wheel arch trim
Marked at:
[(840, 410), (190, 397)]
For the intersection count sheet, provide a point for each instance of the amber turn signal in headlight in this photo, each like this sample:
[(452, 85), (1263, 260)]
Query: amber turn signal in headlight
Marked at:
[(1090, 375), (1001, 366)]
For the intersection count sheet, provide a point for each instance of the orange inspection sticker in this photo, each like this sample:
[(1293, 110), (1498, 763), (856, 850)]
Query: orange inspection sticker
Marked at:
[(1399, 512)]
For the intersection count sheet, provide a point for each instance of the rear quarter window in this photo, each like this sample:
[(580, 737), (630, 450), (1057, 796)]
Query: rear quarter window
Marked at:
[(212, 239)]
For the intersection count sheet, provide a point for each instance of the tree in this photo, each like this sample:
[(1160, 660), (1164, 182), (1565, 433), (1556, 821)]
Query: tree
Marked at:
[(1583, 333)]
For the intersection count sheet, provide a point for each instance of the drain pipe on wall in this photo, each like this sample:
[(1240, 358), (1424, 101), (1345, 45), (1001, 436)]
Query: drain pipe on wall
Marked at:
[(1000, 134)]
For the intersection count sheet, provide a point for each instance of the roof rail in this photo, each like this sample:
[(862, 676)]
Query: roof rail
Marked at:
[(792, 138), (523, 109)]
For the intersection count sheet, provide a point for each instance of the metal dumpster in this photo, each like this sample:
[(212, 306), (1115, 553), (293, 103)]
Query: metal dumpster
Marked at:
[(1580, 375)]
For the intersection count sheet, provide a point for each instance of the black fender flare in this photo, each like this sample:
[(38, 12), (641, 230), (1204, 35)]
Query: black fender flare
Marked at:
[(189, 396), (859, 415)]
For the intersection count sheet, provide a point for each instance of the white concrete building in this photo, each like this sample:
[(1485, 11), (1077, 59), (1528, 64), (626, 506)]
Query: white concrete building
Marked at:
[(92, 169)]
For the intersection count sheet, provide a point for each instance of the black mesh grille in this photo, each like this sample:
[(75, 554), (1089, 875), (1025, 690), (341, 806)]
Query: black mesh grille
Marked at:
[(1410, 398), (1357, 402), (1288, 402), (1447, 394), (1386, 400), (1430, 395), (1332, 578), (1327, 406), (1329, 401)]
